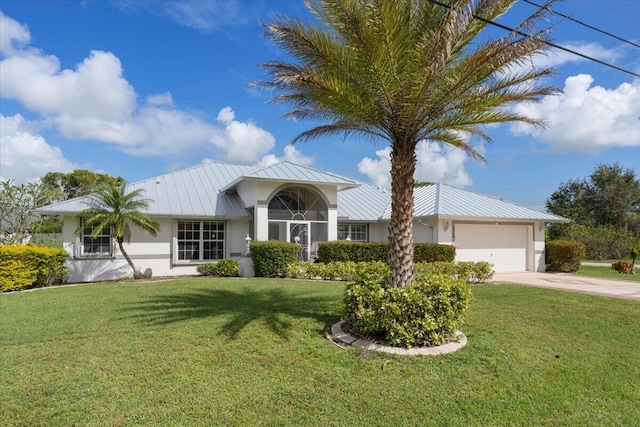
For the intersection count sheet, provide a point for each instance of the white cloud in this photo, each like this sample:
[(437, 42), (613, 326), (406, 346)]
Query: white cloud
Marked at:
[(13, 35), (556, 57), (25, 155), (94, 102), (434, 164), (205, 16), (160, 99), (586, 118), (291, 154), (242, 141), (96, 89)]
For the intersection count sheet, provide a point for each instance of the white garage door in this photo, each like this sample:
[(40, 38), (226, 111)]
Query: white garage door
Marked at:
[(504, 246)]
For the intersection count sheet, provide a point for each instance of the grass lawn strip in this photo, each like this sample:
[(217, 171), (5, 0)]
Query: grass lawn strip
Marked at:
[(607, 272), (251, 352)]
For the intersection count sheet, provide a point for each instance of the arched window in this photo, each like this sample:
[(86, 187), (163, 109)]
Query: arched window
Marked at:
[(299, 215), (297, 203)]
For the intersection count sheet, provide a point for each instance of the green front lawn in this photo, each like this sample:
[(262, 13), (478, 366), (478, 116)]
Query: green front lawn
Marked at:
[(251, 352), (607, 272)]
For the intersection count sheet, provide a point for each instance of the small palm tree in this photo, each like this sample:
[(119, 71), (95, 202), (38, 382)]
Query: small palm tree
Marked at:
[(405, 71), (112, 208)]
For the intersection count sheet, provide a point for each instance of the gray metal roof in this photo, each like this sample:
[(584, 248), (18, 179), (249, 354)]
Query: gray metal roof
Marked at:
[(438, 200), (189, 192), (365, 203), (286, 171), (200, 192), (455, 202)]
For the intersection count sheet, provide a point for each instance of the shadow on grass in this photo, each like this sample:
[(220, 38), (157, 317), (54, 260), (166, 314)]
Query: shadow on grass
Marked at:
[(275, 307)]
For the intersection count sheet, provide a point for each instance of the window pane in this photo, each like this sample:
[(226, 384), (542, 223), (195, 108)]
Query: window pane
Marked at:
[(100, 245), (211, 238)]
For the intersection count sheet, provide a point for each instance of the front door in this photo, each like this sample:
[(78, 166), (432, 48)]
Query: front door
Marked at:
[(299, 234)]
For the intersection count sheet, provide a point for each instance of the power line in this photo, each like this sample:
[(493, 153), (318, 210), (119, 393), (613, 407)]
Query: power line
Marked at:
[(548, 43), (554, 12)]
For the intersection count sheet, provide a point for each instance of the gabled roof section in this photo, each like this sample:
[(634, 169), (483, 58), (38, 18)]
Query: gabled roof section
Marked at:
[(455, 202), (364, 203), (193, 192), (438, 200), (286, 171)]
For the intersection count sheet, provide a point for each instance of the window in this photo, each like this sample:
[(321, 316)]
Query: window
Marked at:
[(355, 232), (200, 240), (101, 245)]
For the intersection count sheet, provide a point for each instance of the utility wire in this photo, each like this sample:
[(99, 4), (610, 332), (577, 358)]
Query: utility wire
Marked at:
[(582, 23), (548, 43)]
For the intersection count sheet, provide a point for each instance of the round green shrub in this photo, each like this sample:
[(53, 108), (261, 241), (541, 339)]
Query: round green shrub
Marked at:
[(207, 269), (426, 313), (272, 258), (227, 267)]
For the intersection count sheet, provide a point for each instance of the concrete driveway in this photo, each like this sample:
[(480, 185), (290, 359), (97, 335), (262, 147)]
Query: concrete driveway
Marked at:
[(624, 289)]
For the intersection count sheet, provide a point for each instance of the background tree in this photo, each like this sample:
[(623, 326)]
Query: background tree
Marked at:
[(17, 205), (604, 209), (112, 208), (78, 183), (404, 71)]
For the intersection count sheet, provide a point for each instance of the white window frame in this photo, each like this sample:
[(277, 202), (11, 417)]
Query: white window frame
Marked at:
[(350, 232), (200, 240), (81, 242)]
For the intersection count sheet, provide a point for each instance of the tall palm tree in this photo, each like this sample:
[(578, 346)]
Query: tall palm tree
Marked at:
[(405, 71), (111, 207)]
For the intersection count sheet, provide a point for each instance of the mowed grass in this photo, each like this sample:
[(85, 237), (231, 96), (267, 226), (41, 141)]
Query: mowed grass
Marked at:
[(607, 272), (251, 352)]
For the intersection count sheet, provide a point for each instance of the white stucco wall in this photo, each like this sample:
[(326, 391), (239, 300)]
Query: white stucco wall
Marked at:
[(156, 253)]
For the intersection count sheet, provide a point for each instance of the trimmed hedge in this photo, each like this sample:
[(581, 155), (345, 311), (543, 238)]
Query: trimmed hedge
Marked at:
[(224, 268), (377, 251), (470, 272), (30, 266), (427, 313), (563, 255), (271, 258)]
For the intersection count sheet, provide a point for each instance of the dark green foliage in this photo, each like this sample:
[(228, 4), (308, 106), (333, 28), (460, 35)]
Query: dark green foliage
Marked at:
[(563, 255), (78, 183), (600, 241), (433, 252), (367, 252), (227, 267), (30, 266), (351, 251), (428, 312), (207, 269), (271, 258)]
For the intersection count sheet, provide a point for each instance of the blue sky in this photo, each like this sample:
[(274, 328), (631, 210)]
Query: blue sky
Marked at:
[(142, 88)]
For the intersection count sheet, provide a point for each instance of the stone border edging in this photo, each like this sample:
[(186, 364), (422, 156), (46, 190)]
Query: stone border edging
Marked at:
[(337, 332)]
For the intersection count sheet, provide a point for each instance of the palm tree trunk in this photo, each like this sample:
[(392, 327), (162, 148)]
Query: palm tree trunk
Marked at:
[(403, 165), (126, 256)]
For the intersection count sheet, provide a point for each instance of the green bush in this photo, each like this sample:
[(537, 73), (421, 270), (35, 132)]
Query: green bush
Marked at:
[(23, 267), (365, 252), (340, 270), (207, 269), (563, 255), (271, 258), (424, 314), (471, 272), (601, 241), (227, 267), (434, 252), (481, 272), (351, 251)]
